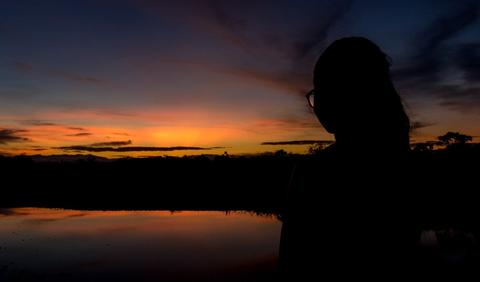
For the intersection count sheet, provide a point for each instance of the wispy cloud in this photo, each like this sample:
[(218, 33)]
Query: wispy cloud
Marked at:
[(135, 149), (428, 72), (12, 135), (415, 125), (38, 123), (75, 77), (319, 29), (428, 61), (277, 59), (75, 128), (112, 143), (299, 142), (81, 134), (28, 68), (459, 97), (467, 58), (47, 123), (286, 58)]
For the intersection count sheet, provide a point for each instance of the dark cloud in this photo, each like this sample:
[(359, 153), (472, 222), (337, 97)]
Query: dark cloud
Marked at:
[(287, 69), (235, 29), (290, 81), (75, 77), (24, 67), (11, 135), (35, 122), (47, 123), (432, 55), (81, 134), (225, 19), (117, 146), (38, 123), (76, 128), (272, 52), (229, 27), (467, 58), (135, 149), (300, 142), (112, 143), (415, 125), (444, 28), (459, 97), (318, 30), (428, 72)]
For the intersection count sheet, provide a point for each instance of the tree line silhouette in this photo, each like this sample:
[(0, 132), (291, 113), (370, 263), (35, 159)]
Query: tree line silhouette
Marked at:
[(448, 140), (222, 182)]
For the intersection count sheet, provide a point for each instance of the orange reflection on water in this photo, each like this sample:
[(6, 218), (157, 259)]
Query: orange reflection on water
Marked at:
[(151, 221), (137, 245)]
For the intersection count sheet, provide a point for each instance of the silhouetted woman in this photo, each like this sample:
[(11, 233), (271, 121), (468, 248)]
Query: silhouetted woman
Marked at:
[(345, 215), (355, 99)]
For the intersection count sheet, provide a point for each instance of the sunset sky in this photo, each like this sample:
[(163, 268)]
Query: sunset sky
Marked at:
[(144, 77)]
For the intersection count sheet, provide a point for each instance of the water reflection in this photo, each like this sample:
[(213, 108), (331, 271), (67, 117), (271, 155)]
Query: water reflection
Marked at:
[(58, 245)]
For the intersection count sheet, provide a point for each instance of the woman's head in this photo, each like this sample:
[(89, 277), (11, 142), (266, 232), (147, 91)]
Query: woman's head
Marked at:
[(354, 96)]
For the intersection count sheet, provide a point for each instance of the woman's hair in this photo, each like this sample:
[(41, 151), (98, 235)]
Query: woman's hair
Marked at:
[(354, 95)]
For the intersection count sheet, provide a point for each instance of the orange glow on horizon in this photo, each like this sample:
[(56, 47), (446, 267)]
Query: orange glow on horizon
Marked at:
[(229, 132), (154, 128)]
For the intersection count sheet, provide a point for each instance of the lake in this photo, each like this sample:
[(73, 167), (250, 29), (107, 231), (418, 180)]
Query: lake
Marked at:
[(38, 244)]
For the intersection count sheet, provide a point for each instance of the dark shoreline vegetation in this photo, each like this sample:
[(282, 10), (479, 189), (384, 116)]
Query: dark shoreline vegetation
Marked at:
[(444, 179), (201, 182)]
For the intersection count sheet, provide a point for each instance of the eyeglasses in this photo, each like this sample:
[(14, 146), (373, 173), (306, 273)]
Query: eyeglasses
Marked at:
[(311, 98)]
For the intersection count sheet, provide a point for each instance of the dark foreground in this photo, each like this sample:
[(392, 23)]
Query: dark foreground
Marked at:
[(427, 203)]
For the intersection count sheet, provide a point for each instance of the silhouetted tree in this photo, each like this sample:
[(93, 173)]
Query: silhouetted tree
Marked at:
[(451, 138), (281, 153)]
